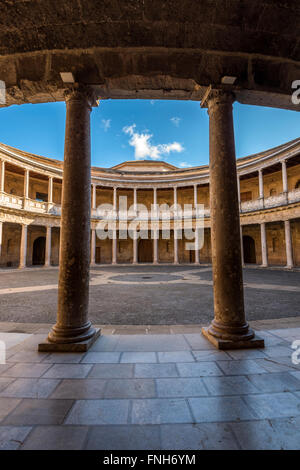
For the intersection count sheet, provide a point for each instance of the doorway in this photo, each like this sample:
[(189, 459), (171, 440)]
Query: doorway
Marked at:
[(249, 249), (38, 251), (145, 251)]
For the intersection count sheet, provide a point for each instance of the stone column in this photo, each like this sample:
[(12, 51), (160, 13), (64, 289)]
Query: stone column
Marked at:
[(26, 184), (175, 196), (229, 328), (135, 248), (94, 201), (2, 181), (73, 331), (155, 232), (115, 200), (264, 246), (175, 247), (288, 244), (135, 202), (114, 247), (285, 188), (197, 259), (48, 247), (261, 187), (23, 247), (50, 190), (93, 247), (155, 246)]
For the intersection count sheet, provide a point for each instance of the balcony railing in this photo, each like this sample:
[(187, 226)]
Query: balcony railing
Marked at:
[(16, 202), (272, 201)]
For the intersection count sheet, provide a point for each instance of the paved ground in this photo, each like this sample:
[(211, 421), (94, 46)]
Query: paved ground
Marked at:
[(150, 392), (147, 295)]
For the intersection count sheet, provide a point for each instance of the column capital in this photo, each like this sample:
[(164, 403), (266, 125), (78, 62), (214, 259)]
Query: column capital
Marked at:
[(81, 93), (217, 95)]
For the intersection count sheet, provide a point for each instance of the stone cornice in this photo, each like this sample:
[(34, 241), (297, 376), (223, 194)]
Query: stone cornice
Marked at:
[(187, 177)]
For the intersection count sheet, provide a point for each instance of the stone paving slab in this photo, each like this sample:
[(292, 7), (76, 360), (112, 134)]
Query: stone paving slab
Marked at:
[(193, 397)]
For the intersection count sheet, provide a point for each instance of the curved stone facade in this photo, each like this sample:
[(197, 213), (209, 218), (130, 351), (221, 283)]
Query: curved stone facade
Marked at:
[(30, 208)]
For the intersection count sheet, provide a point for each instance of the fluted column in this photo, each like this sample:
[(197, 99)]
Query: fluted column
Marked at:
[(48, 246), (73, 330), (264, 246), (288, 244), (229, 328), (23, 247)]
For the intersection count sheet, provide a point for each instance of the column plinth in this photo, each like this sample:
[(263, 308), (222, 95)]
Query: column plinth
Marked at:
[(229, 329), (73, 331)]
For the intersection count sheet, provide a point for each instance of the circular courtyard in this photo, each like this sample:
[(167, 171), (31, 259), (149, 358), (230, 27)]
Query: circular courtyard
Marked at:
[(147, 295)]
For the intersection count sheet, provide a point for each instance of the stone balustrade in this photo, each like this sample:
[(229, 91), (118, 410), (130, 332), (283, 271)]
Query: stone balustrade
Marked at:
[(16, 202)]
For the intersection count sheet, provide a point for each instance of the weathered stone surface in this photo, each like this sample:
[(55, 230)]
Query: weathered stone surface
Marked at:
[(104, 43)]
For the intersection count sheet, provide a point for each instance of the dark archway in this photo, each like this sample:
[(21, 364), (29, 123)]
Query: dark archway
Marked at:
[(38, 251), (249, 249), (145, 251)]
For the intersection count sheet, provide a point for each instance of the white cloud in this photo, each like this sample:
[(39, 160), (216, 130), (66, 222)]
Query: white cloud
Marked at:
[(184, 165), (143, 147), (175, 120), (105, 123)]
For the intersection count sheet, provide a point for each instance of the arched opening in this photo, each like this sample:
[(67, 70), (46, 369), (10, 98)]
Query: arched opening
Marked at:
[(297, 185), (38, 251), (145, 251), (249, 249)]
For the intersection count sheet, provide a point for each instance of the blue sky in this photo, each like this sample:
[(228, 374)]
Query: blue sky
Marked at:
[(174, 131)]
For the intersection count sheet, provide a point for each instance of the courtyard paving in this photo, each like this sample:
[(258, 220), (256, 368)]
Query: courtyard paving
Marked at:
[(147, 295), (150, 391)]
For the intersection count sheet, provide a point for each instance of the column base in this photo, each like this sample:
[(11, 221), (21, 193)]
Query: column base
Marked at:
[(238, 343), (79, 346)]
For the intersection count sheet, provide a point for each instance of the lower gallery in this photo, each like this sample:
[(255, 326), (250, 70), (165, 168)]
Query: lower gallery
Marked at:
[(269, 200)]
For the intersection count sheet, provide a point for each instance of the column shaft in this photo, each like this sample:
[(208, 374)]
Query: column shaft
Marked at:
[(48, 246), (94, 202), (26, 184), (73, 330), (135, 248), (229, 328), (264, 246), (288, 244), (50, 190), (176, 261), (23, 247), (93, 246), (284, 177), (114, 247)]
